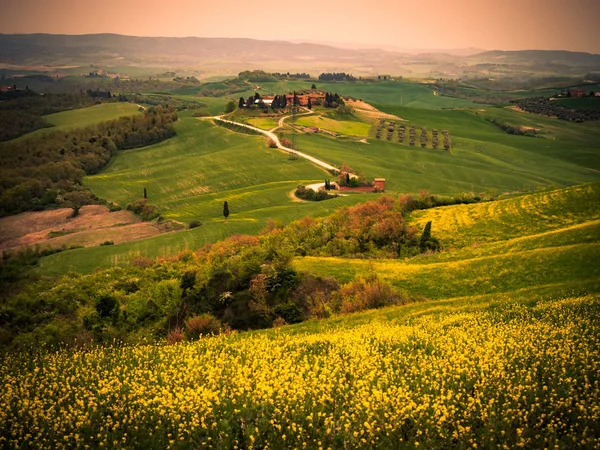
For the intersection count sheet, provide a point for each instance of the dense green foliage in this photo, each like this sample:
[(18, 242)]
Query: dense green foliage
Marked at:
[(517, 370), (23, 114), (244, 281), (546, 107), (341, 76), (309, 194), (38, 171)]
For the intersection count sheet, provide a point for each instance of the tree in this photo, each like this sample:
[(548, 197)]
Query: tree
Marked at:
[(313, 86), (309, 104), (423, 137), (230, 107), (425, 236), (77, 199), (296, 99), (428, 242), (241, 102), (225, 210), (145, 193)]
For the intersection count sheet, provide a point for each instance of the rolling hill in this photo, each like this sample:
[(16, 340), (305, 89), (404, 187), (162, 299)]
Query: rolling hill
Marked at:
[(231, 55)]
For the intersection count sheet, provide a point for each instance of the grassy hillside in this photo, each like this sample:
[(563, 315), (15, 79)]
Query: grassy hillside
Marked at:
[(405, 93), (81, 118), (544, 239), (191, 175), (481, 371), (483, 156), (500, 345), (346, 127), (206, 165)]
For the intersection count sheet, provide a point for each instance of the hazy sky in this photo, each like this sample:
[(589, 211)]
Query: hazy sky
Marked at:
[(486, 24)]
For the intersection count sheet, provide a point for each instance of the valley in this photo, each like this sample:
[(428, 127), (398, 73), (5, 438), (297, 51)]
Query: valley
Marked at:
[(169, 279)]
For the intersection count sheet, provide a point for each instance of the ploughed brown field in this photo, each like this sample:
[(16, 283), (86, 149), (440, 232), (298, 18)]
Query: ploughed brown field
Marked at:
[(93, 226)]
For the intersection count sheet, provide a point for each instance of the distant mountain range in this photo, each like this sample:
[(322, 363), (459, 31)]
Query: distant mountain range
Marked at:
[(229, 55)]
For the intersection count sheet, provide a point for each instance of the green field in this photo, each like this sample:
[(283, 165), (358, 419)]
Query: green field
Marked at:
[(498, 345), (81, 118), (399, 93), (537, 241), (190, 176), (483, 157), (206, 165), (347, 127), (264, 123)]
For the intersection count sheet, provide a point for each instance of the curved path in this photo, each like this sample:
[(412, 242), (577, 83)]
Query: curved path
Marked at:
[(271, 135)]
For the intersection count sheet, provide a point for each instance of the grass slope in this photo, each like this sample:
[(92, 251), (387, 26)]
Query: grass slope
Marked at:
[(485, 371), (349, 127), (81, 118), (405, 93), (543, 239), (189, 177), (483, 156)]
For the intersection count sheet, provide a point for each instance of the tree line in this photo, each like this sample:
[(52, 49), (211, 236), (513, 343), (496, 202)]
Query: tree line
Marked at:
[(546, 107), (47, 170), (243, 282), (21, 111), (339, 76)]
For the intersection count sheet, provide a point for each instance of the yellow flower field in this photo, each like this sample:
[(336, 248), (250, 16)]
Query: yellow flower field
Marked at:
[(505, 377)]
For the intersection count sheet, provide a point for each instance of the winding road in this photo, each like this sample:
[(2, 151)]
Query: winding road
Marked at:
[(271, 135)]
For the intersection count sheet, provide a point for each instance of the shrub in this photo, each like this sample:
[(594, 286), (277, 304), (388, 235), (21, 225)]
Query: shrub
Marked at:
[(310, 195), (368, 293), (271, 143), (279, 322), (108, 243), (113, 208), (107, 306), (290, 312), (194, 224), (175, 336), (144, 209), (287, 143), (202, 325)]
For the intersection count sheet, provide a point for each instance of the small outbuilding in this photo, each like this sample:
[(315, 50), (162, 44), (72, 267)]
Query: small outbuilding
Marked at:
[(379, 184)]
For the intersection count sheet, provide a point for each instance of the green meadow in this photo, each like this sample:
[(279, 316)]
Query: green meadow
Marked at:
[(190, 176), (345, 127), (547, 240), (81, 118)]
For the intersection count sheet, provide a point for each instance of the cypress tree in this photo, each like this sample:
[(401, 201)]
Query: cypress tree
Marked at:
[(225, 210), (145, 193), (425, 237)]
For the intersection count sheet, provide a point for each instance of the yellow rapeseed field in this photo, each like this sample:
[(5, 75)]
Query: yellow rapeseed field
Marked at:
[(505, 377)]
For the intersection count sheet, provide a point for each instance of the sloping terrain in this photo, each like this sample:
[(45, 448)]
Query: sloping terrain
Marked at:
[(542, 240)]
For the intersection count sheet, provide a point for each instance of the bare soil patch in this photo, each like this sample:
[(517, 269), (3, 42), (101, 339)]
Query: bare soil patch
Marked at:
[(93, 226)]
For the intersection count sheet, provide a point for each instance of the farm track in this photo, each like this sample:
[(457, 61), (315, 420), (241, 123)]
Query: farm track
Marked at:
[(271, 135)]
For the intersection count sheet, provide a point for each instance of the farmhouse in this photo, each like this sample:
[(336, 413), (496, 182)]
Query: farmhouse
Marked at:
[(577, 93), (316, 98)]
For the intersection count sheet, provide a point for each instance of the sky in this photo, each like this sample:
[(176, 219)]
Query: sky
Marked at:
[(409, 24)]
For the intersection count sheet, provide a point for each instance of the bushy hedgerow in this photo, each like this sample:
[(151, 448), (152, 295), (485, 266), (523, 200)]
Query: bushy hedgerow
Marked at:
[(144, 209), (243, 282)]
